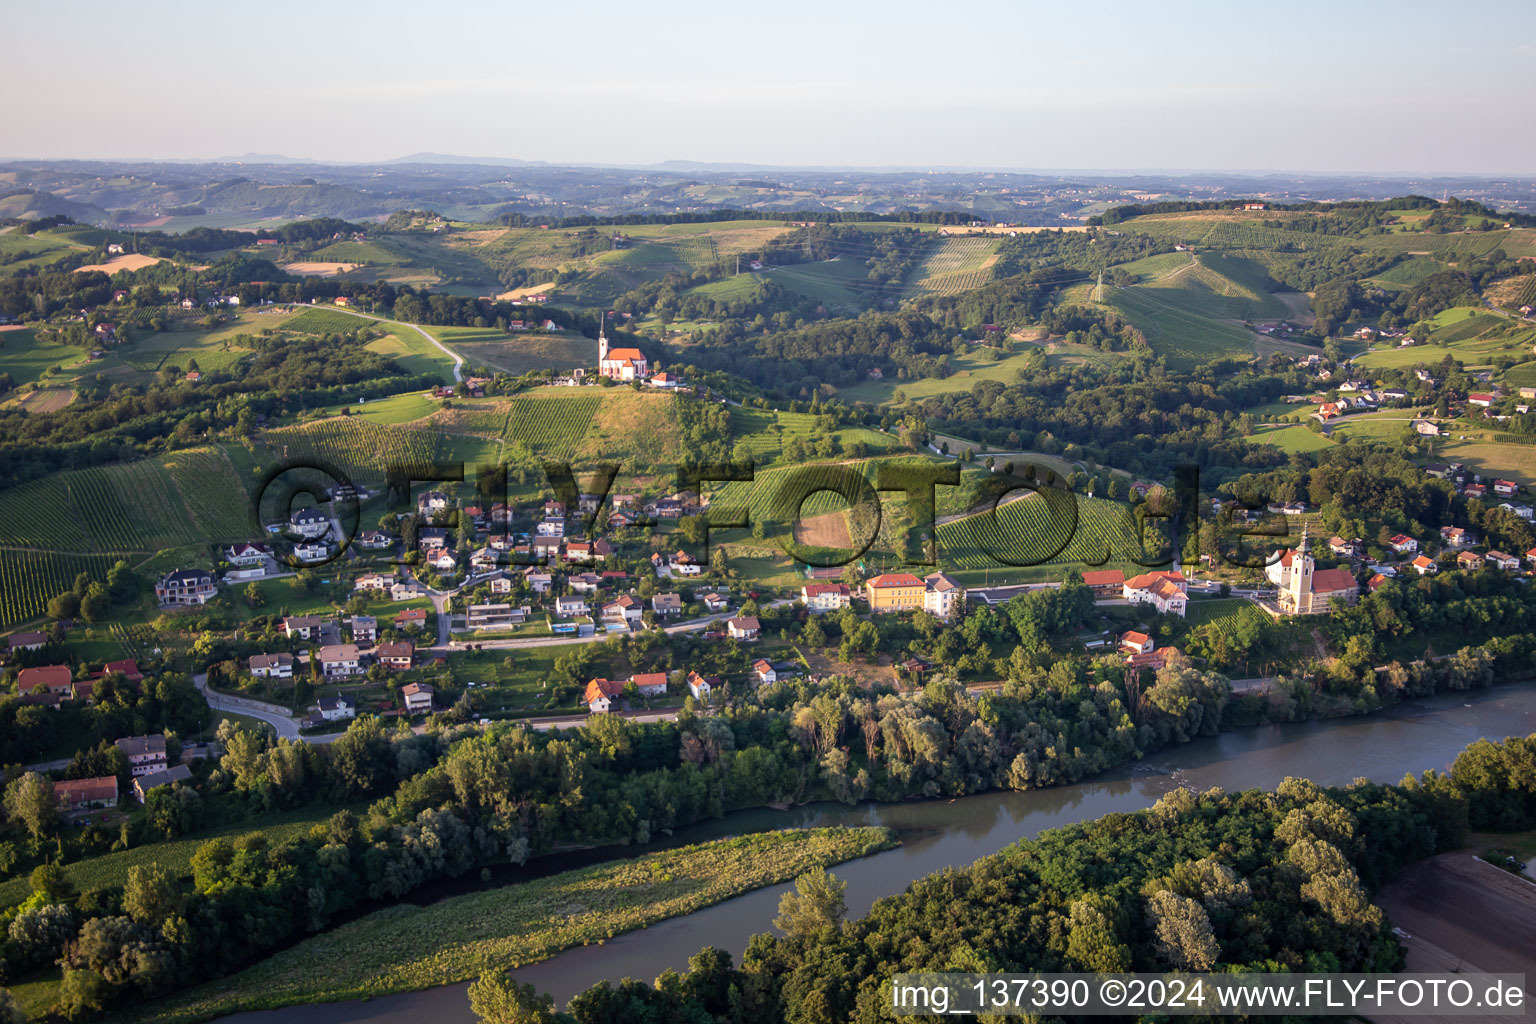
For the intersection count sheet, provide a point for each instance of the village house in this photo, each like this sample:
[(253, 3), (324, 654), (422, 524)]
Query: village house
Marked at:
[(494, 616), (601, 694), (743, 627), (1499, 560), (538, 581), (624, 609), (1133, 642), (272, 666), (500, 585), (942, 596), (1469, 561), (1425, 428), (365, 629), (1402, 544), (375, 540), (1482, 399), (75, 795), (29, 641), (764, 672), (186, 587), (312, 550), (825, 597), (1505, 488), (418, 698), (304, 627), (340, 660), (716, 603), (894, 592), (411, 618), (430, 502), (1424, 565), (146, 754), (667, 606), (374, 581), (143, 784), (247, 554), (56, 681), (650, 684), (1104, 583), (584, 583), (1454, 537), (700, 687), (334, 709), (568, 606), (1166, 591), (396, 655)]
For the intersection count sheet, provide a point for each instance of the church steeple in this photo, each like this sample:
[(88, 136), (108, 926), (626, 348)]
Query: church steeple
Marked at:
[(602, 339)]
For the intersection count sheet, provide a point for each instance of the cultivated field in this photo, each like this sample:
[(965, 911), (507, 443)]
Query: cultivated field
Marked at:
[(127, 261), (1463, 915), (953, 265)]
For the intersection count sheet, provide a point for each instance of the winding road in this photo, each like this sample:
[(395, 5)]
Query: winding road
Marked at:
[(458, 360)]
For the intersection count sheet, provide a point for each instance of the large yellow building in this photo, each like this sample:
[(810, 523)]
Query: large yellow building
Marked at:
[(894, 592)]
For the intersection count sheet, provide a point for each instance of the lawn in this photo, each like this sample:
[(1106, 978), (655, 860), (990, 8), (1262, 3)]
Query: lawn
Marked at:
[(406, 948)]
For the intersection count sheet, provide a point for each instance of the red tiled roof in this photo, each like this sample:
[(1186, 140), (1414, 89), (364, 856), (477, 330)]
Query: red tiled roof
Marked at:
[(43, 677), (600, 688), (1104, 577), (1332, 581), (896, 579)]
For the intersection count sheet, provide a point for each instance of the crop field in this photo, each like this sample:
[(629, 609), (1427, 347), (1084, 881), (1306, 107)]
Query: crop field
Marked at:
[(324, 320), (1185, 336), (767, 501), (213, 493), (483, 419), (131, 506), (764, 432), (1232, 617), (30, 579), (1408, 273), (40, 514), (1030, 530), (954, 265), (551, 423), (1453, 247), (363, 450), (521, 353), (1493, 458), (27, 358), (840, 282)]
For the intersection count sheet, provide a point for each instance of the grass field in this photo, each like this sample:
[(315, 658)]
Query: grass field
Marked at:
[(406, 948), (969, 369), (1493, 459), (1291, 439), (841, 283), (519, 353), (27, 358)]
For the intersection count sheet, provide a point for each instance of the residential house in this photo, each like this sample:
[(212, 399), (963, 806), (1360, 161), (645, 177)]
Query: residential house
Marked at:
[(430, 502), (743, 627), (669, 381), (146, 754), (547, 547), (1344, 548), (272, 666), (667, 606), (1482, 399), (163, 777), (600, 695), (312, 550), (1104, 582), (411, 618), (304, 627), (650, 684), (1455, 537), (443, 561), (585, 583), (310, 523), (494, 616), (500, 585), (1377, 581), (185, 587), (716, 603), (763, 671), (701, 686), (1402, 544), (404, 591), (485, 560), (825, 597), (75, 795), (365, 629), (375, 540), (1134, 642), (1505, 488), (538, 581), (943, 596), (625, 609), (55, 680), (894, 592), (1166, 591), (418, 698), (374, 581), (340, 660), (247, 554), (334, 709), (1499, 560), (1424, 428), (1424, 565), (1470, 560), (397, 655), (30, 641), (568, 606)]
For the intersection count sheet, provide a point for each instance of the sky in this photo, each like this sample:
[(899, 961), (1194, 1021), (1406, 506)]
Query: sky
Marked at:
[(1350, 87)]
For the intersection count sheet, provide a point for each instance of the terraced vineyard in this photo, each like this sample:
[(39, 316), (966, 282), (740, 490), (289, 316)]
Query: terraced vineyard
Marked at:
[(30, 579), (363, 450), (552, 425), (40, 515), (131, 507), (766, 500), (1232, 618), (1027, 531), (213, 493), (325, 321)]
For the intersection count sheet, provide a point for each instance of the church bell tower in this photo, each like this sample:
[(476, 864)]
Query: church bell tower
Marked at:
[(1300, 583)]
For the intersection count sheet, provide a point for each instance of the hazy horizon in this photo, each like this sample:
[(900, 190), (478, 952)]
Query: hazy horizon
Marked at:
[(1331, 90)]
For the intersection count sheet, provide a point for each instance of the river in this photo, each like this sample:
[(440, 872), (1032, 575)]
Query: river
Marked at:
[(1383, 747)]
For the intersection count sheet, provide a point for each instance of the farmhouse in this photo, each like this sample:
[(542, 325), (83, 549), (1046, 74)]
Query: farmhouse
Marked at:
[(650, 684), (86, 794), (1167, 591), (1133, 642), (57, 680), (700, 686), (186, 586), (1104, 582), (601, 693)]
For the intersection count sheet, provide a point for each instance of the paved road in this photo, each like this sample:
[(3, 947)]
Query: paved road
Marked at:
[(277, 718), (458, 360)]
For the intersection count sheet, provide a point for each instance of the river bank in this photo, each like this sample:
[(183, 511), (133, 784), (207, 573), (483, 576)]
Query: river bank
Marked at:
[(1407, 738)]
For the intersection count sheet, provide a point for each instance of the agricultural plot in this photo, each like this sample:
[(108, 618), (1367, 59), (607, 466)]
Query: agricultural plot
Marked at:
[(412, 353), (486, 419), (1408, 273), (1232, 617), (321, 320), (28, 358), (1186, 337), (30, 579), (955, 264), (1040, 531), (363, 450), (1291, 439), (213, 493), (132, 506), (550, 425), (635, 428), (40, 514), (521, 353), (768, 497), (842, 282)]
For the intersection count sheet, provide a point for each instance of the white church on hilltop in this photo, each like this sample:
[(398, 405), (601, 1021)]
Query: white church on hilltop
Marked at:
[(621, 364)]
